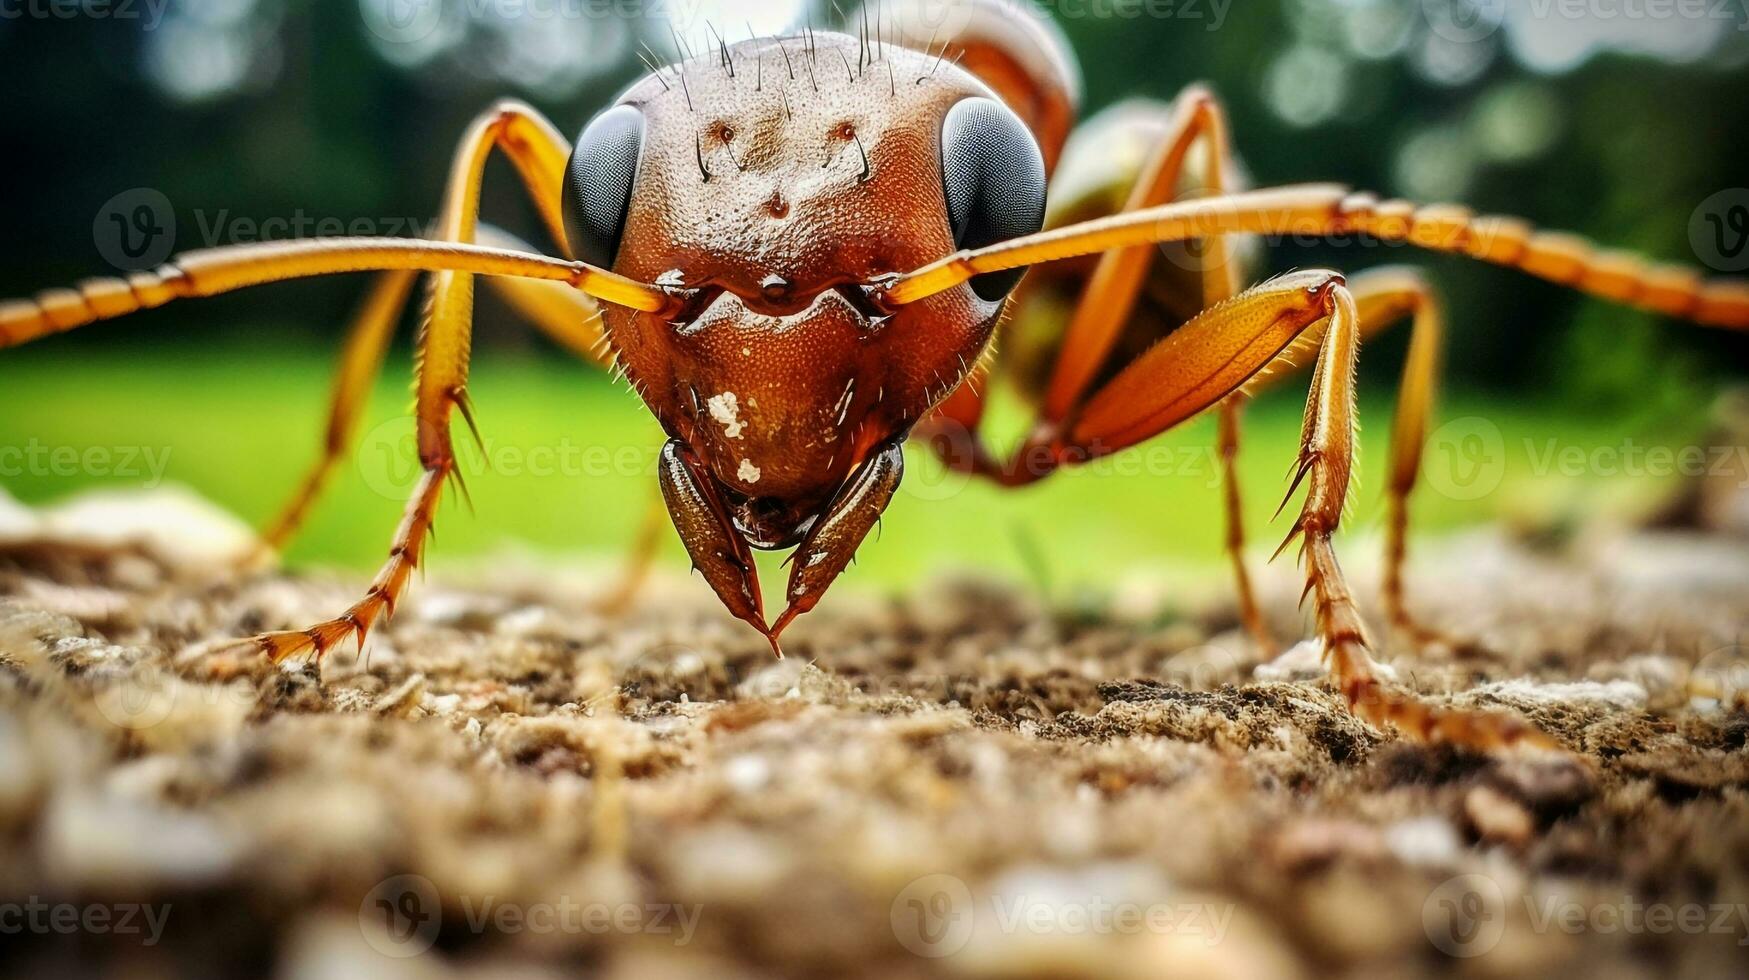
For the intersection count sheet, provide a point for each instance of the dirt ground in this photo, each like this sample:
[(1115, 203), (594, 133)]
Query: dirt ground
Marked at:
[(954, 782)]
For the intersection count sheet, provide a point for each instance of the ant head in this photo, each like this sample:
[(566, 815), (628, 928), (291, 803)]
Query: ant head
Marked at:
[(776, 179)]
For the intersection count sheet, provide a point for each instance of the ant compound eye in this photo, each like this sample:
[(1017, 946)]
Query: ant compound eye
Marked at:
[(598, 184), (994, 177)]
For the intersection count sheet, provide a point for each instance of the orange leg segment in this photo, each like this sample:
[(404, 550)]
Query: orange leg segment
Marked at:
[(569, 317), (445, 343), (1331, 210), (1198, 126), (385, 590), (1116, 283), (1384, 297), (213, 271), (1232, 506), (1201, 365)]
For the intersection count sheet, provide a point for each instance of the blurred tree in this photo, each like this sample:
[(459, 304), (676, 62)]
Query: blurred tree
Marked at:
[(246, 111)]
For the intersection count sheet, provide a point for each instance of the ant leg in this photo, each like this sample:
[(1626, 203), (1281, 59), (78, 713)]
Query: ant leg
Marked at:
[(1384, 297), (213, 271), (1196, 128), (533, 145), (405, 554), (445, 343), (1331, 210), (569, 317), (1232, 506), (1204, 362), (1198, 122)]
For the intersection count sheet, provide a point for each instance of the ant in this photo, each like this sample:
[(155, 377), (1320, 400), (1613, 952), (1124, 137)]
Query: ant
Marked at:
[(798, 251)]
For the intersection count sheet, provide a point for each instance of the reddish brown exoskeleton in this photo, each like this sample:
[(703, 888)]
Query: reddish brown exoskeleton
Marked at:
[(798, 251)]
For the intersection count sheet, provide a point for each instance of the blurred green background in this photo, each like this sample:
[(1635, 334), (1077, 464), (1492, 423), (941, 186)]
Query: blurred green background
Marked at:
[(269, 116)]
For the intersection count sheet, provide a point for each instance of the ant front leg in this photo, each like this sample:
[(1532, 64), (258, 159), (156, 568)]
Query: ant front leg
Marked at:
[(1233, 507), (539, 153), (1204, 362), (1384, 297), (443, 346), (568, 317), (442, 364), (445, 343), (1198, 127)]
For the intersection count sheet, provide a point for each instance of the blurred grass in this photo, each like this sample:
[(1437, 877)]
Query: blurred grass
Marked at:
[(574, 465)]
